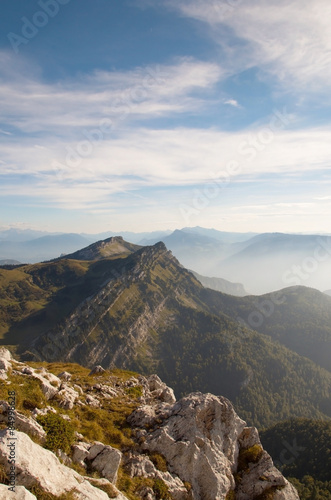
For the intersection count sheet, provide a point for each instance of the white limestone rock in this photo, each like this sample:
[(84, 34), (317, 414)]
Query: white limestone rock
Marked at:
[(92, 401), (5, 354), (49, 386), (100, 457), (37, 466), (115, 495), (80, 451), (4, 364), (106, 462), (23, 423), (20, 493), (142, 466), (97, 370), (199, 441), (65, 376), (67, 396)]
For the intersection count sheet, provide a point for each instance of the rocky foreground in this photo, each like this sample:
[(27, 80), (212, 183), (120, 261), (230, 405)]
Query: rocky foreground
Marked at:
[(195, 448)]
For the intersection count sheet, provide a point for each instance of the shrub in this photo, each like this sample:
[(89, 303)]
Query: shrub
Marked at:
[(60, 433), (161, 490), (249, 455), (159, 461)]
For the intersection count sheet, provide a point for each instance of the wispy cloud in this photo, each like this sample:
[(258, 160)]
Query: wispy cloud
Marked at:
[(289, 39), (144, 159), (64, 108)]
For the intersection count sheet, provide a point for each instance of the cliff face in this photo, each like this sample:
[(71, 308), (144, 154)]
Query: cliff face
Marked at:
[(196, 448)]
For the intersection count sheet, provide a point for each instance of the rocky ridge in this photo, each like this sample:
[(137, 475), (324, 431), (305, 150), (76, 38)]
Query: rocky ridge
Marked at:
[(196, 448)]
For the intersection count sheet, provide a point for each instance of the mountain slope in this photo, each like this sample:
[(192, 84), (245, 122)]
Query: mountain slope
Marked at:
[(146, 312), (134, 440), (297, 317), (112, 247)]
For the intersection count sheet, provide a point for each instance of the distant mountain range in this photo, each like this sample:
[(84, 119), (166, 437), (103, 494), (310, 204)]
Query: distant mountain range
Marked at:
[(261, 263), (118, 304)]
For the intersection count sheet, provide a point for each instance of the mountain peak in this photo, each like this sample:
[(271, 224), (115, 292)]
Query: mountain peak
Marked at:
[(115, 246)]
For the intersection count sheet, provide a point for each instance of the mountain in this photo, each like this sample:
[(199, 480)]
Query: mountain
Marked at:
[(134, 440), (145, 312), (19, 235), (223, 236), (297, 317), (137, 238), (272, 261), (9, 262), (40, 249), (196, 251), (113, 247), (221, 285)]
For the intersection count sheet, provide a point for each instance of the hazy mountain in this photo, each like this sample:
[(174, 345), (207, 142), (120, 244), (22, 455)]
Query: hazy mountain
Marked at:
[(9, 262), (41, 249), (221, 285), (223, 236), (18, 235), (145, 312), (271, 261), (196, 251)]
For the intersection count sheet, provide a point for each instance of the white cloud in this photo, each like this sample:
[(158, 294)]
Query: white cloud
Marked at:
[(65, 108), (290, 39), (232, 102), (136, 160)]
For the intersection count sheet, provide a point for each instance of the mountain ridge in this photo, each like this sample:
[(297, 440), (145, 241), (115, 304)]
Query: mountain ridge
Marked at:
[(147, 313)]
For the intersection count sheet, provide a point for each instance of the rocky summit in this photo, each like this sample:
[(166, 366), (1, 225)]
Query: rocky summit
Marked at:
[(77, 433)]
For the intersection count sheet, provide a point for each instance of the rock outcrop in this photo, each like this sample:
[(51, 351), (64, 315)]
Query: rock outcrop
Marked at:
[(196, 448), (203, 440)]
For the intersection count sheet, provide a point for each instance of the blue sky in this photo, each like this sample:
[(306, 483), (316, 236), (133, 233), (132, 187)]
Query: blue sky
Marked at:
[(141, 115)]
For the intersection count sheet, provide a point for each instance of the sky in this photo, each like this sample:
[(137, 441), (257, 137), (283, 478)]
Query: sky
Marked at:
[(141, 115)]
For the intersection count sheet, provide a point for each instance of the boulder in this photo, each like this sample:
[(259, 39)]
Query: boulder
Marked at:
[(5, 354), (80, 451), (97, 370), (49, 385), (23, 423), (262, 477), (20, 493), (107, 462), (40, 467), (100, 457), (65, 376), (92, 401), (200, 437), (67, 397), (141, 466), (4, 364), (114, 493)]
